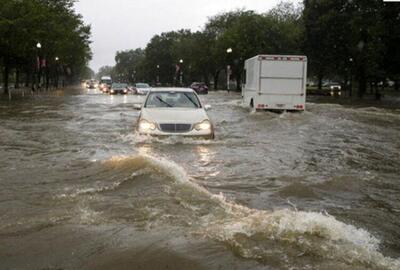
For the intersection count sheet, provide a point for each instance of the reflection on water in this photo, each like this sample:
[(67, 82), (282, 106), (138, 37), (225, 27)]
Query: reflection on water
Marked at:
[(206, 155), (145, 149)]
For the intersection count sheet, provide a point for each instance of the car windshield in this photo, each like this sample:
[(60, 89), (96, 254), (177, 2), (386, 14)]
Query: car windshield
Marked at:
[(119, 85), (172, 100), (142, 85)]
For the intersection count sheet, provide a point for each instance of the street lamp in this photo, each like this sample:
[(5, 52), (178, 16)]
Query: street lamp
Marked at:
[(180, 71), (351, 77), (56, 66), (158, 74), (38, 64), (228, 69)]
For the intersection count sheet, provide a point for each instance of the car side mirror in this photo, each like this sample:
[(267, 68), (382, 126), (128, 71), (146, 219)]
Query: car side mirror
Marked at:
[(207, 107), (137, 106)]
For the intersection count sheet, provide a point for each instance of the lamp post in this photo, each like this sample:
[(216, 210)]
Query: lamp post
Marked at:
[(38, 64), (351, 77), (228, 69), (181, 72), (158, 74), (56, 59)]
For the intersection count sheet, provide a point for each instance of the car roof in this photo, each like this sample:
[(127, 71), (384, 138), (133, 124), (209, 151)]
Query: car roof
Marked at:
[(172, 89)]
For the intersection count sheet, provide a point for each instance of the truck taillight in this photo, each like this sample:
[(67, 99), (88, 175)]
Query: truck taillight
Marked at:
[(262, 106), (299, 106)]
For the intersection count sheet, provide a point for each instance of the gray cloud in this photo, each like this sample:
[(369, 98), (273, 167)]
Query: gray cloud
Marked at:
[(129, 24)]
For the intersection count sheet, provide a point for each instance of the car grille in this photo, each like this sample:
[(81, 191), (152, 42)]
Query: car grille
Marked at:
[(175, 128)]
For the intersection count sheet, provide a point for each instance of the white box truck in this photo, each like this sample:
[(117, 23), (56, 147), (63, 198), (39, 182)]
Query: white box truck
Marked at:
[(275, 82)]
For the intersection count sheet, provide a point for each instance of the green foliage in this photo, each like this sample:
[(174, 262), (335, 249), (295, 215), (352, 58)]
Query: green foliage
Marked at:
[(357, 38), (342, 39), (53, 23), (128, 65), (106, 71), (204, 52)]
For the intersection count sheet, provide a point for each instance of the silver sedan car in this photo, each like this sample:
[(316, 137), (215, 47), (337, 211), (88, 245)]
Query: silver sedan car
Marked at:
[(174, 111)]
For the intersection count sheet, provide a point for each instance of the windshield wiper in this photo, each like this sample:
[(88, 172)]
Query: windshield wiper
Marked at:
[(163, 101), (191, 100)]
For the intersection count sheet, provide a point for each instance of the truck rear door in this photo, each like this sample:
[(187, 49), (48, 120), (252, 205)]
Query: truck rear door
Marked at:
[(282, 75)]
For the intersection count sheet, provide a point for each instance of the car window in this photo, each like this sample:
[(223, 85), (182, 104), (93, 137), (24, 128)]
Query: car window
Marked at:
[(119, 85), (142, 85), (172, 100)]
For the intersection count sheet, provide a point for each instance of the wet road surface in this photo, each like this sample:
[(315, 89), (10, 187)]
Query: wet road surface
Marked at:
[(80, 190)]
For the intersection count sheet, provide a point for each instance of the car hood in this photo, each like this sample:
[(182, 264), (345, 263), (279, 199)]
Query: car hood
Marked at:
[(174, 115)]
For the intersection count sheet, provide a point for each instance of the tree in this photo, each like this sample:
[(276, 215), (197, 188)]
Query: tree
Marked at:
[(55, 25), (391, 41), (128, 63), (159, 53), (339, 30), (106, 71)]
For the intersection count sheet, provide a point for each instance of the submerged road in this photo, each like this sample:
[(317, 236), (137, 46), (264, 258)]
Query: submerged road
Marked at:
[(80, 190)]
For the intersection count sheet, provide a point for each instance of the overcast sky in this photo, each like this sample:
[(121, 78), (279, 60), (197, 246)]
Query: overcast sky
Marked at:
[(130, 24)]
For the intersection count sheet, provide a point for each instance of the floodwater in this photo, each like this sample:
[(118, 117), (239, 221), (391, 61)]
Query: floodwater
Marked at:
[(80, 190)]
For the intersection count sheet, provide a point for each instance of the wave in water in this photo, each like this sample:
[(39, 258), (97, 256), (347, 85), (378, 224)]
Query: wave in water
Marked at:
[(136, 138), (259, 234)]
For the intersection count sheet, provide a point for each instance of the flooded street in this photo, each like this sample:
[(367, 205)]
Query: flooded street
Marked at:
[(80, 190)]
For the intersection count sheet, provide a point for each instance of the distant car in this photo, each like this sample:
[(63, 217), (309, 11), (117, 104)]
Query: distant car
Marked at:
[(119, 88), (104, 87), (142, 88), (335, 89), (131, 89), (92, 84), (174, 111), (199, 87)]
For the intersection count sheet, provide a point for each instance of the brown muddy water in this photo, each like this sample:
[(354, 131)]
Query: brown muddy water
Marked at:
[(314, 190)]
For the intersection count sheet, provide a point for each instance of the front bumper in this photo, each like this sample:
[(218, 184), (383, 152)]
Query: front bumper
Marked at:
[(115, 92), (205, 134)]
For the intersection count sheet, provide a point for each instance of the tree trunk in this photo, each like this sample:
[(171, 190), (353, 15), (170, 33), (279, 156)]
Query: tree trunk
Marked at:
[(206, 79), (5, 77), (362, 82), (378, 94), (216, 76), (320, 77), (16, 78), (47, 78), (27, 78), (238, 82)]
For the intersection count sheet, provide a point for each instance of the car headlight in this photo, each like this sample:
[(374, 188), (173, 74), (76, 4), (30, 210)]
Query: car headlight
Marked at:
[(125, 90), (145, 125), (112, 91), (204, 125)]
